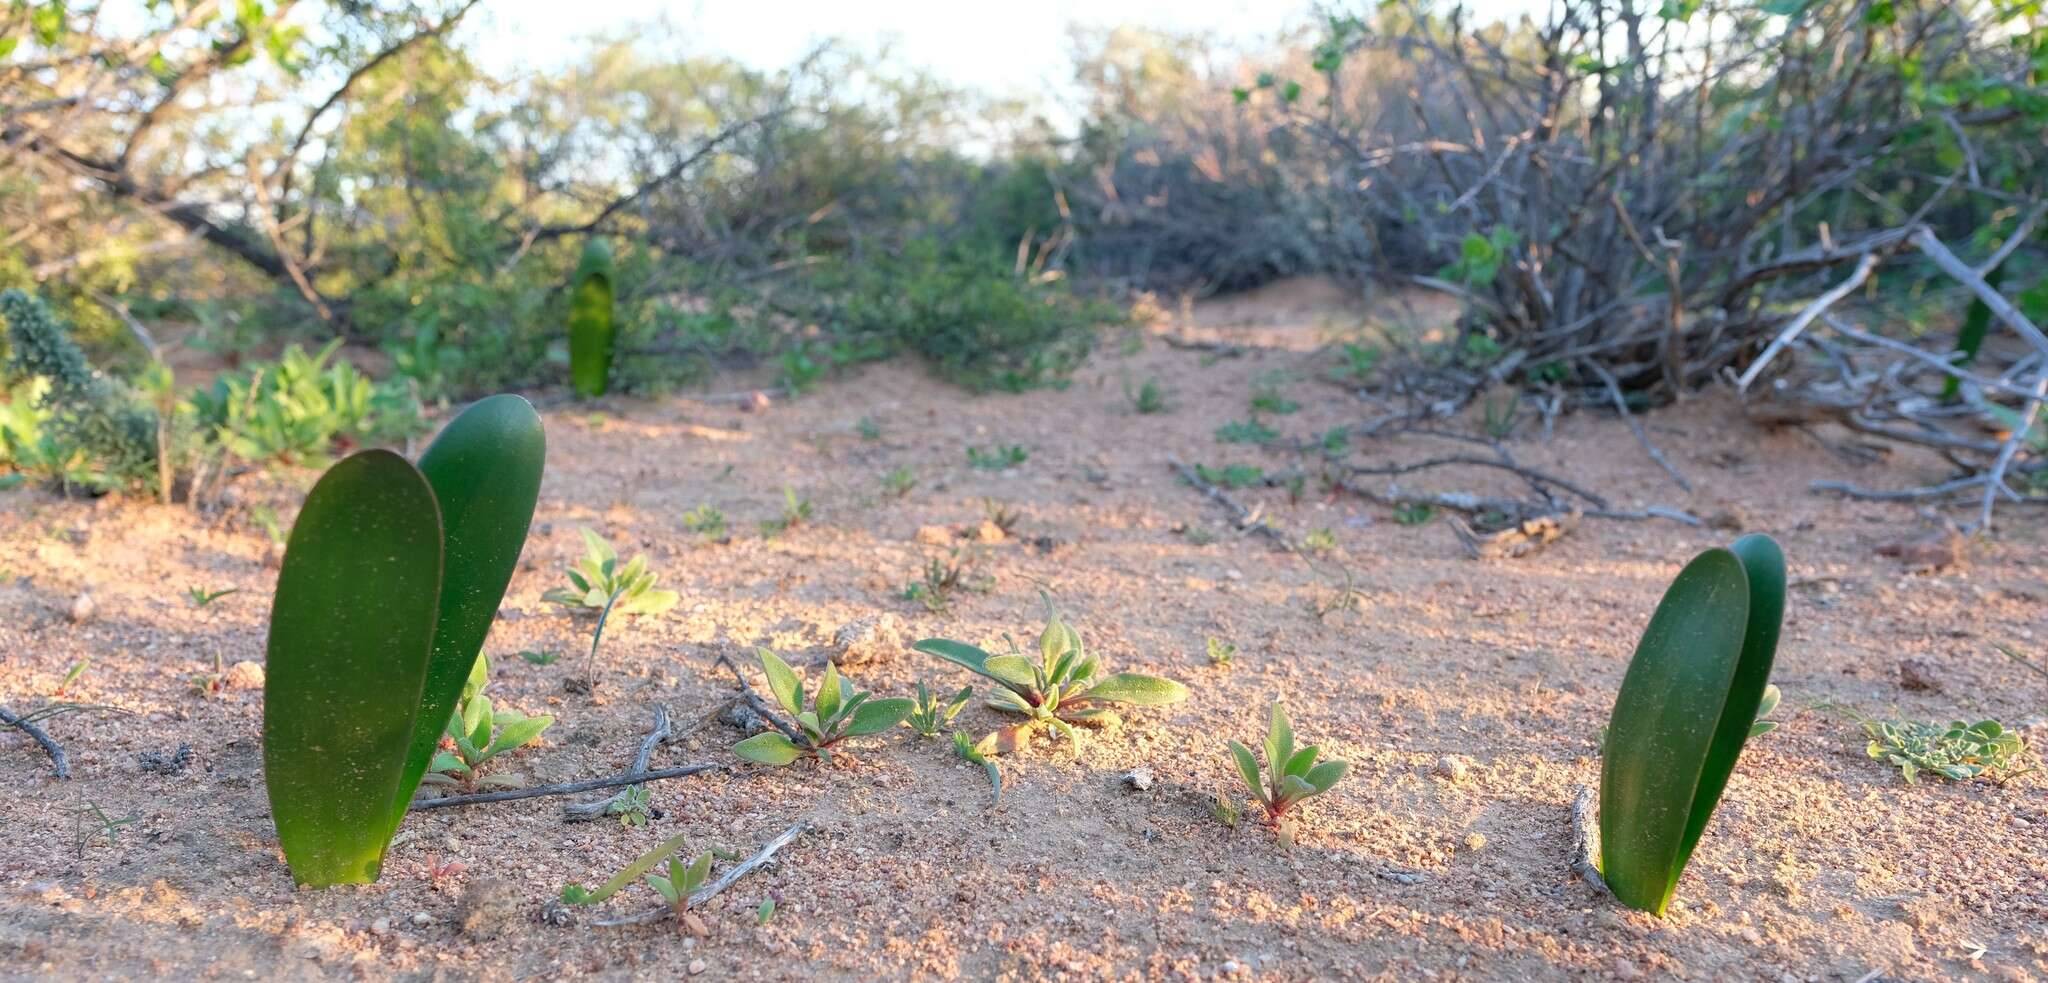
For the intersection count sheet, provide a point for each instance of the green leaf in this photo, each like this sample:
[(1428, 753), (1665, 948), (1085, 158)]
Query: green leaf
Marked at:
[(485, 469), (576, 894), (1663, 733), (876, 716), (769, 749), (829, 693), (1294, 788), (1326, 775), (591, 330), (782, 682), (1137, 689), (697, 874), (351, 635), (1248, 767), (1014, 670), (1301, 762), (958, 653), (1279, 741), (521, 734)]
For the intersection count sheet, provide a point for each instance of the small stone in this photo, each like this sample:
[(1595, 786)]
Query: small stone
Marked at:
[(1231, 968), (1625, 970), (1919, 675), (489, 904), (1139, 778), (874, 638), (381, 926), (273, 556), (934, 535), (698, 966), (246, 674), (82, 609), (757, 402), (1475, 842), (422, 918), (1450, 766)]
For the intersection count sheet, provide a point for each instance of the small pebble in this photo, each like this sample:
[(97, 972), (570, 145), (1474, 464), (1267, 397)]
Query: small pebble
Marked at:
[(422, 918), (1231, 968), (246, 674), (82, 609), (1450, 766), (381, 926), (1139, 778), (698, 966), (1475, 842)]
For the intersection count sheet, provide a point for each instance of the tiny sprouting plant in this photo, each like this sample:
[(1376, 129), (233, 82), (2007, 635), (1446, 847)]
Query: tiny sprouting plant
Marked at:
[(1227, 809), (1499, 417), (210, 683), (540, 658), (72, 674), (1764, 706), (1221, 652), (1269, 399), (1002, 517), (201, 597), (869, 428), (634, 806), (1414, 513), (1059, 690), (765, 913), (1358, 362), (1231, 475), (602, 584), (482, 732), (669, 876), (795, 512), (1148, 398), (1246, 432), (1292, 774), (1320, 541), (940, 578), (928, 716), (109, 827), (1688, 702), (835, 713), (681, 881), (1001, 457), (1334, 440), (968, 751), (705, 521), (899, 482), (1955, 751)]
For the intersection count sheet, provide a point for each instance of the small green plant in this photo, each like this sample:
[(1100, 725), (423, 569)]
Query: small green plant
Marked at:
[(899, 482), (109, 827), (1148, 398), (72, 675), (1955, 751), (795, 512), (1246, 432), (1231, 475), (706, 521), (967, 750), (765, 913), (1269, 399), (1227, 809), (802, 368), (1221, 652), (601, 584), (1764, 707), (869, 428), (482, 732), (1414, 513), (390, 582), (210, 683), (1293, 774), (1498, 417), (592, 332), (1060, 690), (634, 805), (941, 578), (681, 881), (836, 712), (1687, 704), (298, 409), (928, 716), (1001, 516), (1001, 457), (201, 597), (1358, 362), (1320, 541), (540, 658), (676, 882)]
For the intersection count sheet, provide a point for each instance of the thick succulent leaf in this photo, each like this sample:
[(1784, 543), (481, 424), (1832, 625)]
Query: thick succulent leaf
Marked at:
[(664, 886), (351, 634), (698, 872), (1294, 788), (1134, 688), (1248, 767), (1058, 638), (577, 894), (782, 682), (1764, 566), (876, 716), (1327, 774), (769, 749), (847, 708), (591, 329), (447, 761), (650, 602), (1279, 741), (1663, 729), (485, 469)]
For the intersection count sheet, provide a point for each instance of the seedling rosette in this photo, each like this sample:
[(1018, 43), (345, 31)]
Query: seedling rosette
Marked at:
[(1690, 699), (836, 712), (1058, 691), (1292, 774)]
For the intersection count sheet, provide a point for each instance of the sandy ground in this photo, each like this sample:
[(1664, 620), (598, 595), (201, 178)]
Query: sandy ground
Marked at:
[(1820, 865)]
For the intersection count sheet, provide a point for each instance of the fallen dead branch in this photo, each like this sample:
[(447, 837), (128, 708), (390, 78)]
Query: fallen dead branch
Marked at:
[(760, 707), (1246, 519), (1586, 841), (576, 811), (564, 788), (765, 855), (1516, 541), (58, 759)]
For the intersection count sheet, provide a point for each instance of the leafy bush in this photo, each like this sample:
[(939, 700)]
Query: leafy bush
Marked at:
[(90, 430), (297, 409), (1957, 751)]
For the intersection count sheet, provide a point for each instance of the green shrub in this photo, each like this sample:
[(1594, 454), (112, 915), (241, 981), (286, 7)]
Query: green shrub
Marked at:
[(295, 410), (91, 430)]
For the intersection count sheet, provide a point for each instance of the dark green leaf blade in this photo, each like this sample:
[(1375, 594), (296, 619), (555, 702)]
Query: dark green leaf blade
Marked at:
[(351, 633), (958, 653), (1665, 716), (876, 716), (485, 470)]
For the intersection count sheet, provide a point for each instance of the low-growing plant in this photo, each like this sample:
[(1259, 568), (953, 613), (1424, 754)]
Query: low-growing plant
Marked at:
[(705, 521), (928, 716), (1414, 513), (1246, 432), (1269, 399), (1231, 475), (298, 409), (940, 578), (1148, 398), (1320, 541), (1764, 707), (481, 732), (869, 428), (1060, 690), (600, 584), (1687, 704), (109, 827), (540, 658), (201, 597), (968, 750), (835, 713), (765, 913), (1357, 362), (899, 482), (1292, 774), (1002, 517), (390, 582), (1956, 751), (681, 881), (1000, 457), (795, 512), (1221, 652), (211, 683), (675, 881), (73, 674)]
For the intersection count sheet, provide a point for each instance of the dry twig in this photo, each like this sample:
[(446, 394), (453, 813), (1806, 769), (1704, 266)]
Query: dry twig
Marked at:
[(703, 895), (564, 788), (655, 735), (1586, 841), (58, 759)]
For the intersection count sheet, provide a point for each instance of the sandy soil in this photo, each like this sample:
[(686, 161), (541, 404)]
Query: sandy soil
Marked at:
[(1820, 865)]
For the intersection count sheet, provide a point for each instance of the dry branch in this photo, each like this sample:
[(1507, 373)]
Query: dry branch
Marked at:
[(1245, 518), (58, 759), (655, 735), (702, 896), (564, 788), (1586, 841)]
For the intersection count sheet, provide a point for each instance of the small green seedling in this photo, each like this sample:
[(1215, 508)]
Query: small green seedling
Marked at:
[(1320, 541), (1149, 398), (681, 881), (766, 913), (869, 428), (706, 521), (1001, 457), (634, 806), (1231, 475), (210, 683), (641, 866), (1414, 513), (72, 675), (201, 597), (1293, 774), (541, 658), (1687, 704), (928, 716), (941, 578), (601, 584), (1059, 690), (482, 732), (1227, 809), (1246, 432), (965, 748), (1221, 652), (835, 714), (1763, 709), (1004, 518), (1957, 751), (899, 482), (109, 827), (795, 512)]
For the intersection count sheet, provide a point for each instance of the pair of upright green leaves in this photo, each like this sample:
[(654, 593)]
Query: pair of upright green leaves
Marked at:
[(391, 578), (1686, 706), (591, 331)]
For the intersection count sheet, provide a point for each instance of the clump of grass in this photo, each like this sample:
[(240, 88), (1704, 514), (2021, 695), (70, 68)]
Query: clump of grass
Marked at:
[(928, 716), (941, 578), (201, 597), (1246, 432), (706, 521), (1231, 475), (1000, 457), (1149, 398), (899, 482), (1414, 513)]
